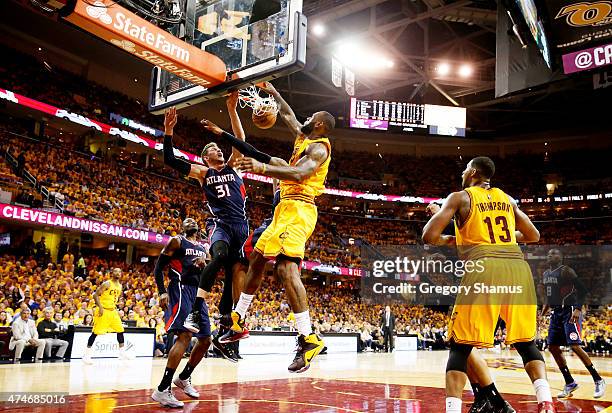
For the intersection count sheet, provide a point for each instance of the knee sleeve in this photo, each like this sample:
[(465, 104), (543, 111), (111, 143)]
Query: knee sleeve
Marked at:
[(458, 357), (91, 340), (120, 338), (219, 253), (528, 351)]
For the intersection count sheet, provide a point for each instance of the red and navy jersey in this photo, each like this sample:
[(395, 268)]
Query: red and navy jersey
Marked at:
[(275, 202), (225, 194), (560, 291), (182, 266)]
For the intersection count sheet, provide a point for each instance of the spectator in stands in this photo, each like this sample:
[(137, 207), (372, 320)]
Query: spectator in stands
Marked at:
[(62, 249), (158, 346), (25, 335), (41, 249), (4, 321), (87, 320), (49, 331)]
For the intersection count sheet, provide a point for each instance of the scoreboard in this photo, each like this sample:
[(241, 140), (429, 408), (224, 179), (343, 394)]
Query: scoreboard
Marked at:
[(407, 117)]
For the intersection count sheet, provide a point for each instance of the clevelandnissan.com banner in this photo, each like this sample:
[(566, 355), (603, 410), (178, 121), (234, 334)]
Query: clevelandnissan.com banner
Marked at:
[(587, 59), (53, 219), (111, 22)]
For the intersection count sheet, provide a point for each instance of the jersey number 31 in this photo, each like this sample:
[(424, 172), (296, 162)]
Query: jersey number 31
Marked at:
[(222, 190)]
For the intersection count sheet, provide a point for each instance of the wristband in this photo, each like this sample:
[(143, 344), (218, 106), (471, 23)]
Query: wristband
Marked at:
[(264, 169)]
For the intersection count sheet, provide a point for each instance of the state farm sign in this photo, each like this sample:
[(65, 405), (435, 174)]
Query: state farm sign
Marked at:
[(111, 22)]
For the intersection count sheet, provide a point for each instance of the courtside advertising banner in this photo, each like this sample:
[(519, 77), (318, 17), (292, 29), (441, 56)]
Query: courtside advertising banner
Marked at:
[(111, 22), (578, 24), (106, 345)]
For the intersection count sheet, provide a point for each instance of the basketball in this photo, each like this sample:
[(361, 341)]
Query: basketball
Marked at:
[(264, 120)]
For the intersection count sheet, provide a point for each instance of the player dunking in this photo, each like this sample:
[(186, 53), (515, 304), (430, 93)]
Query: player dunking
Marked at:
[(565, 295), (295, 217), (228, 228), (106, 317), (488, 226), (186, 256)]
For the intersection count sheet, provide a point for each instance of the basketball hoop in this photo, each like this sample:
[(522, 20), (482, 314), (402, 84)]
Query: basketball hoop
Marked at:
[(261, 105)]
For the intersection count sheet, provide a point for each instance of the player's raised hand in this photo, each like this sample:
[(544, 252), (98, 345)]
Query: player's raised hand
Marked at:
[(208, 125), (249, 165), (232, 100), (267, 87), (170, 119)]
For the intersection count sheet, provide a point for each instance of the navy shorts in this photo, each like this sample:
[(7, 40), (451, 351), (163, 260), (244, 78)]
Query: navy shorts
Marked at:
[(235, 234), (254, 237), (560, 331), (180, 300)]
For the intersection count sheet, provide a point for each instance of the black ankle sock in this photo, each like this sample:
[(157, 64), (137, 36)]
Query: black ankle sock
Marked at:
[(491, 393), (167, 379), (186, 372), (476, 389), (567, 375), (594, 374), (197, 305)]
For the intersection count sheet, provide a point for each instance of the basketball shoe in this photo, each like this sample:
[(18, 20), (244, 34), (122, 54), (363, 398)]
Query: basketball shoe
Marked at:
[(192, 322), (568, 389), (237, 330), (166, 398), (186, 386), (308, 348), (600, 388)]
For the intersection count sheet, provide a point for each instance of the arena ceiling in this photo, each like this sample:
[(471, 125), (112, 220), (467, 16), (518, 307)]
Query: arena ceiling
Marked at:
[(417, 35)]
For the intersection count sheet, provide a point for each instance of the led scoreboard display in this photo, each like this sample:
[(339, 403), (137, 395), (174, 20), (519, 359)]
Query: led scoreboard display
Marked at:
[(407, 117)]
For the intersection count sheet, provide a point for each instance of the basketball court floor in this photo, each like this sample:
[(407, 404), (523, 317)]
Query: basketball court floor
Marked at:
[(369, 382)]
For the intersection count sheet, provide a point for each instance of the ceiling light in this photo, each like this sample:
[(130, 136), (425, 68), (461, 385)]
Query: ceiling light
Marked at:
[(465, 71), (318, 29), (443, 69)]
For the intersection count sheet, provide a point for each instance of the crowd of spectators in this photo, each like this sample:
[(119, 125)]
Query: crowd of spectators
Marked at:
[(578, 170), (52, 295)]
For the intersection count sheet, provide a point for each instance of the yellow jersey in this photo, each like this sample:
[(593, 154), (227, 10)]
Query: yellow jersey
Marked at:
[(490, 223), (313, 186), (109, 297)]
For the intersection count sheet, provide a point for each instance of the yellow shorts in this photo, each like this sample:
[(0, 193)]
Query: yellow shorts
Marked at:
[(109, 322), (504, 288), (292, 225)]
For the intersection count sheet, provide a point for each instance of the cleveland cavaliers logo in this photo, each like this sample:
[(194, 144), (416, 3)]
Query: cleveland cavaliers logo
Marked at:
[(587, 14)]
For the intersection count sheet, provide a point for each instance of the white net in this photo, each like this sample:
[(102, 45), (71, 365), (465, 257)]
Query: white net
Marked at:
[(261, 105)]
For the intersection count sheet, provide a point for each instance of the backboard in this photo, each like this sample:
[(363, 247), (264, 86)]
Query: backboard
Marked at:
[(256, 39)]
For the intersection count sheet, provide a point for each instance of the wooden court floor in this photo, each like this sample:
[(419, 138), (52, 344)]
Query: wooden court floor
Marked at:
[(398, 382)]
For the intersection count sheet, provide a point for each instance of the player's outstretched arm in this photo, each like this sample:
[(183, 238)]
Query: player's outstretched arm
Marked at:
[(162, 262), (432, 233), (285, 110), (525, 230), (244, 148), (180, 165), (232, 104), (315, 155)]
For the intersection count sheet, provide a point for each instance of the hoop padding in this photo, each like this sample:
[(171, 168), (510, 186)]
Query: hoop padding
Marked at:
[(261, 105)]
